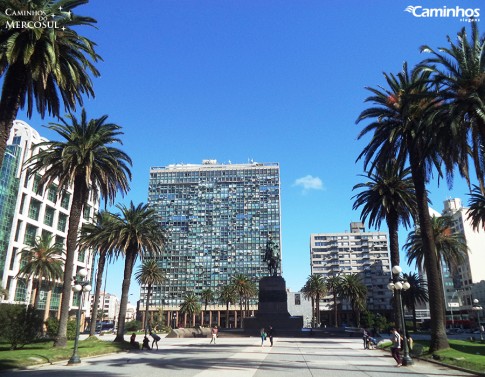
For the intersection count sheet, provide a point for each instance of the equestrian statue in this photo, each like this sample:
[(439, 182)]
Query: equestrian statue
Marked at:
[(272, 257)]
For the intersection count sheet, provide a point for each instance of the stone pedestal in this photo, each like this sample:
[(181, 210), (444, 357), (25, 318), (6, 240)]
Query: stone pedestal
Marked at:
[(273, 308)]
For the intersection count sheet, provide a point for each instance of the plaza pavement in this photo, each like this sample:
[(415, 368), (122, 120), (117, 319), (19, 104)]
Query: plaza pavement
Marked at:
[(244, 357)]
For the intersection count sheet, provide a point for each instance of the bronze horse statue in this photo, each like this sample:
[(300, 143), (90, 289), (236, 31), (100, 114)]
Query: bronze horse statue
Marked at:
[(271, 257)]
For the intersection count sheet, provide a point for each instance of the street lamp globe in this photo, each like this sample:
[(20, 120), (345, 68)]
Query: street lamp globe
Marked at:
[(77, 288), (83, 272), (390, 286), (396, 270), (398, 285)]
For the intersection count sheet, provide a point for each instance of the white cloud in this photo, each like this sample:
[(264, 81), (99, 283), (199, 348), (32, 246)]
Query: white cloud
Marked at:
[(309, 182)]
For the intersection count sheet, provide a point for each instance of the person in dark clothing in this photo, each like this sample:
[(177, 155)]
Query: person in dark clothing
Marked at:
[(146, 343), (133, 342), (270, 335)]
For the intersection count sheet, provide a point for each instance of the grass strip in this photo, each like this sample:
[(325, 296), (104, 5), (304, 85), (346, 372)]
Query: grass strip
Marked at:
[(44, 352)]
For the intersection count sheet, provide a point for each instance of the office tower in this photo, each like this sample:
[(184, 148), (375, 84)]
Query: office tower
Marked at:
[(28, 210), (362, 252), (218, 218), (461, 286)]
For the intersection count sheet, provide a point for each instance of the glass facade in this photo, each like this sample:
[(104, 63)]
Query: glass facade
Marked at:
[(9, 185), (217, 219)]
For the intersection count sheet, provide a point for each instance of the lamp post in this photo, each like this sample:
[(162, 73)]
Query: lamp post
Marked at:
[(478, 308), (174, 317), (397, 285), (80, 285)]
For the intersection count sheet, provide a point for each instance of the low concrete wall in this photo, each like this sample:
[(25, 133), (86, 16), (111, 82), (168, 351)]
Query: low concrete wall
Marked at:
[(196, 332)]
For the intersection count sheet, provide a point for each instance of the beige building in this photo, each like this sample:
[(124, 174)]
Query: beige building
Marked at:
[(357, 251)]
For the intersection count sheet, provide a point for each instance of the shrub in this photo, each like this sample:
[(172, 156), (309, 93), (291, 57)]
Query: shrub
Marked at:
[(133, 326), (53, 327), (20, 325)]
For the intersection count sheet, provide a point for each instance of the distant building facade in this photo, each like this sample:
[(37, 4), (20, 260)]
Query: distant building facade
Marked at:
[(465, 284), (217, 218), (357, 251), (108, 306), (28, 210)]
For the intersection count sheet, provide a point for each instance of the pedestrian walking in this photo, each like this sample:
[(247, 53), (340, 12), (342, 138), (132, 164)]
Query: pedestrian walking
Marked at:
[(263, 336), (214, 332), (270, 335), (396, 346), (155, 337), (365, 338)]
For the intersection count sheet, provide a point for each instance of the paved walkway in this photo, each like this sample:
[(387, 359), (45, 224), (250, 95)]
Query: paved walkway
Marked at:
[(244, 357)]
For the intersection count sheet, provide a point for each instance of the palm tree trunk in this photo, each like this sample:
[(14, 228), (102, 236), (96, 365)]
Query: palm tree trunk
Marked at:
[(313, 312), (149, 288), (317, 304), (241, 312), (393, 226), (37, 292), (436, 301), (125, 288), (414, 317), (335, 312), (78, 200), (97, 293), (227, 315), (9, 105)]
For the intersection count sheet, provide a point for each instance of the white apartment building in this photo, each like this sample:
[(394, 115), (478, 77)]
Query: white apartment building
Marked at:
[(357, 251), (108, 306), (27, 211)]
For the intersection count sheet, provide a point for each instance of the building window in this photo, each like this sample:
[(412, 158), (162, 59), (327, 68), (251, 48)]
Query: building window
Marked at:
[(12, 258), (21, 291), (66, 197), (297, 299), (81, 255), (34, 209), (30, 234), (49, 216), (86, 212), (52, 193), (62, 222), (36, 186)]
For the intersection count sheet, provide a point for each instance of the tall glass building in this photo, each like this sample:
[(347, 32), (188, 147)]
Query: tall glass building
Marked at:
[(218, 218), (27, 211)]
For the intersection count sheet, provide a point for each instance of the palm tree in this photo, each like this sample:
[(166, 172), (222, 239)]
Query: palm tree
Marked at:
[(190, 306), (476, 213), (43, 65), (86, 162), (150, 273), (450, 246), (459, 71), (315, 288), (135, 232), (207, 296), (333, 284), (44, 260), (404, 129), (243, 289), (389, 195), (416, 294), (352, 288), (97, 237), (227, 296)]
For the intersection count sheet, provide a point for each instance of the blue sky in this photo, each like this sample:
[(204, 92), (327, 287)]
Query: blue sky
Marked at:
[(272, 81)]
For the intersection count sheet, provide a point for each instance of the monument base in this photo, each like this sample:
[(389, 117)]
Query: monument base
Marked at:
[(273, 308)]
